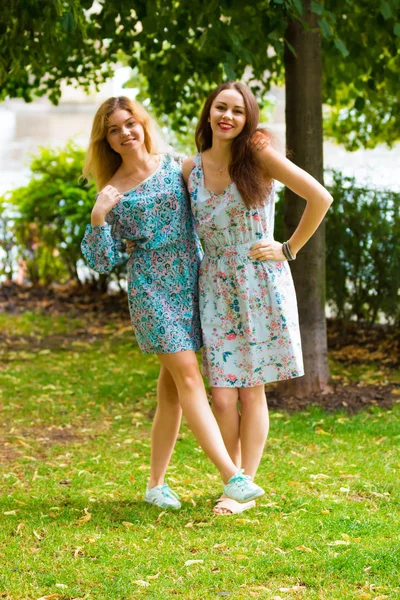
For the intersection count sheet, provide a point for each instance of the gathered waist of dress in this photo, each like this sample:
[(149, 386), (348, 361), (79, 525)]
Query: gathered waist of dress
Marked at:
[(163, 245), (241, 249)]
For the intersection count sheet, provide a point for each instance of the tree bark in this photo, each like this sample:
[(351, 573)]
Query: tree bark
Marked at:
[(303, 73)]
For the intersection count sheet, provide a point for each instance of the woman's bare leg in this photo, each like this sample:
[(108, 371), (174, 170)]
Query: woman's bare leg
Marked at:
[(165, 427), (254, 427), (226, 412), (185, 372)]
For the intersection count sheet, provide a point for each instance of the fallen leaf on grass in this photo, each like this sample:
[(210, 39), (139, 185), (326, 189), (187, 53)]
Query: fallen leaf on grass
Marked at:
[(132, 478), (304, 548), (160, 516), (38, 535), (51, 597), (319, 476), (10, 512), (280, 551), (154, 576), (320, 431), (22, 443), (142, 583), (295, 588), (192, 562), (382, 439), (20, 526), (86, 517), (339, 543), (127, 524), (78, 551)]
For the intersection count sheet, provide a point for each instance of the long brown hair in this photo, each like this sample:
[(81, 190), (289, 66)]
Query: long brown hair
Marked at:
[(101, 160), (245, 168)]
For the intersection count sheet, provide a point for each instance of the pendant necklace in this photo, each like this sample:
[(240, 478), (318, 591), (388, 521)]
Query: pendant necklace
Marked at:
[(220, 171)]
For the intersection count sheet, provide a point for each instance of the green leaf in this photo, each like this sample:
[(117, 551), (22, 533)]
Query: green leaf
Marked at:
[(386, 10), (229, 71), (291, 48), (341, 47), (396, 29), (68, 23), (325, 28), (359, 103), (317, 8), (299, 6)]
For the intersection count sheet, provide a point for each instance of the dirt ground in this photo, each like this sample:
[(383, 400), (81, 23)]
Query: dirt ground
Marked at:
[(350, 345)]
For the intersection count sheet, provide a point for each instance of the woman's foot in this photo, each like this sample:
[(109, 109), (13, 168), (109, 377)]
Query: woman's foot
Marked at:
[(227, 506), (241, 488), (162, 496)]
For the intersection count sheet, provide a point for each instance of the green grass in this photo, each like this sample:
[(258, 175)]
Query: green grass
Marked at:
[(74, 456)]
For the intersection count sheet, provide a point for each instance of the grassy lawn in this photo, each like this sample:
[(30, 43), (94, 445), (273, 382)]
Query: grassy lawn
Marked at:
[(74, 456)]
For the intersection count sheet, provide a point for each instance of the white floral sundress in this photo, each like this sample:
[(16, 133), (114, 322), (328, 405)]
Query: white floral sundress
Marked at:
[(248, 308)]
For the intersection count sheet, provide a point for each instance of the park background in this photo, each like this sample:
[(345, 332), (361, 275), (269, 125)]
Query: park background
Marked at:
[(77, 397)]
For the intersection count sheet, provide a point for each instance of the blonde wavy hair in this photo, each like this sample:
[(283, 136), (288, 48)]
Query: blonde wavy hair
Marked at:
[(101, 160)]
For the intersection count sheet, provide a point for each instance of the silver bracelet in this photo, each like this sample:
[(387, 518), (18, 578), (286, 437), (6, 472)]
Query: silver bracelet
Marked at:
[(287, 251)]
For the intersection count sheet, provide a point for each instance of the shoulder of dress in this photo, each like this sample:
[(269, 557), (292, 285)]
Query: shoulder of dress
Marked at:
[(173, 162)]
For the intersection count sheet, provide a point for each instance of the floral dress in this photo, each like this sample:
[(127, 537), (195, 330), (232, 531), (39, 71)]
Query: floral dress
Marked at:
[(248, 307), (163, 268)]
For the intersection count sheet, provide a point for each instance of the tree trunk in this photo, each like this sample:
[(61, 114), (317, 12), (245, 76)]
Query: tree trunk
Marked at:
[(303, 74)]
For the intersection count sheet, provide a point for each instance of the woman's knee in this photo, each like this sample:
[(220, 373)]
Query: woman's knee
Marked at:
[(252, 396), (224, 400), (189, 377), (184, 370)]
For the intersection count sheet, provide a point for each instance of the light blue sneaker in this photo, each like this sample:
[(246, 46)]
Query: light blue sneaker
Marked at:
[(162, 496), (241, 488)]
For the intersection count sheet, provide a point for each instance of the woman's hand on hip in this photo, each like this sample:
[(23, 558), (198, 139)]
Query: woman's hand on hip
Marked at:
[(267, 250), (106, 199)]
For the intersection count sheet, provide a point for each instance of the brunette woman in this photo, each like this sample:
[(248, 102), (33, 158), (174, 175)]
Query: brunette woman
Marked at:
[(248, 305)]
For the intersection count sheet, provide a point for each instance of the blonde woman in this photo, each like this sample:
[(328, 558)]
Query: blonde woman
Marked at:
[(142, 197)]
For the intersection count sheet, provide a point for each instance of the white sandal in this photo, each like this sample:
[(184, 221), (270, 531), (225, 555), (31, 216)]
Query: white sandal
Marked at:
[(232, 506)]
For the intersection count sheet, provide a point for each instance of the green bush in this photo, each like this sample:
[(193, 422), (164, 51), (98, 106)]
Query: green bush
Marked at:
[(362, 250), (50, 215), (8, 243)]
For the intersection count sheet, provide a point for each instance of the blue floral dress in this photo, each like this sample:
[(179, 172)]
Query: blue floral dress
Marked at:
[(248, 308), (163, 268)]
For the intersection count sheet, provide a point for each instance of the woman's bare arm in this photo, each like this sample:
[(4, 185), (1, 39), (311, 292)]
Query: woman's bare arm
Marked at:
[(318, 201)]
